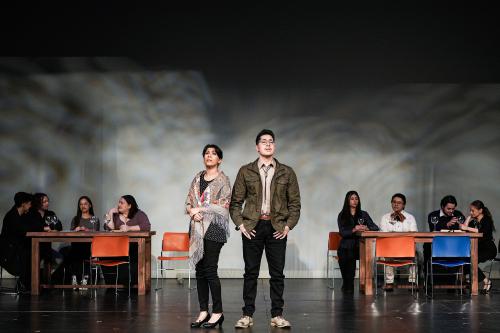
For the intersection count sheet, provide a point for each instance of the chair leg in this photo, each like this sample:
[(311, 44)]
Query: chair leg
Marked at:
[(116, 281), (129, 278), (432, 281), (157, 275)]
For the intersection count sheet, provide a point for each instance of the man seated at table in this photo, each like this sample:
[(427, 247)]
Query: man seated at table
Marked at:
[(447, 219), (15, 247), (397, 221)]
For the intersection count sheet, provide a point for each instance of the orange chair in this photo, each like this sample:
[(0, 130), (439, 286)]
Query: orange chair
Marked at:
[(173, 242), (334, 239), (109, 247), (397, 252)]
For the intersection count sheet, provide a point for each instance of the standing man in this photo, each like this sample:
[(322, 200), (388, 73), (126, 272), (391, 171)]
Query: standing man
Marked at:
[(271, 195)]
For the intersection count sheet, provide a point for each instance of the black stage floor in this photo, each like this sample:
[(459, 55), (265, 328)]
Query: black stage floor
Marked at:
[(309, 305)]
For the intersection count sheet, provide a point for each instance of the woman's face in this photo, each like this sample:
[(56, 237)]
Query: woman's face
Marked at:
[(123, 206), (211, 159), (45, 203), (353, 201), (84, 206), (474, 212)]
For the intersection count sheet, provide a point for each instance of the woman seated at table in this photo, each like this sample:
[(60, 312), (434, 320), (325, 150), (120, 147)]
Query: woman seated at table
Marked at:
[(351, 220), (85, 220), (40, 218), (126, 217), (481, 220)]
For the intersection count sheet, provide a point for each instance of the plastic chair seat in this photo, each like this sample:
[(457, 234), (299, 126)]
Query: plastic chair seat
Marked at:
[(109, 262), (447, 263), (394, 263), (173, 258)]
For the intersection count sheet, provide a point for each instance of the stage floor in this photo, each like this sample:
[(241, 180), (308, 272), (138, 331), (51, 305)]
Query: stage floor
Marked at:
[(309, 305)]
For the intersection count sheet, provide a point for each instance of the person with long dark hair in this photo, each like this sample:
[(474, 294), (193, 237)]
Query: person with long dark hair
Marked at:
[(42, 216), (351, 219), (85, 220), (481, 220), (207, 204), (126, 216)]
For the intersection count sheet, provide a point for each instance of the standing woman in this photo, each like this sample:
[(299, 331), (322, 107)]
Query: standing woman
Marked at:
[(480, 220), (350, 220), (207, 204)]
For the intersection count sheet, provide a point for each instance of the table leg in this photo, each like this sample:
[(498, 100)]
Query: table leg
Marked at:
[(35, 266), (148, 264), (362, 272), (141, 267), (473, 258), (369, 266)]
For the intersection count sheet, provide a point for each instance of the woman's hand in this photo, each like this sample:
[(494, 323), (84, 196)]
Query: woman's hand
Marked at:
[(197, 217), (464, 227), (124, 228), (194, 211), (360, 227)]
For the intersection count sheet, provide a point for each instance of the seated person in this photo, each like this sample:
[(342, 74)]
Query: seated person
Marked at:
[(447, 219), (85, 220), (15, 247), (481, 220), (397, 221), (447, 216), (126, 217), (43, 219)]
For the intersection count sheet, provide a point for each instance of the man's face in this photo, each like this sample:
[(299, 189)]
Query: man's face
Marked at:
[(25, 207), (449, 209), (397, 204), (266, 146)]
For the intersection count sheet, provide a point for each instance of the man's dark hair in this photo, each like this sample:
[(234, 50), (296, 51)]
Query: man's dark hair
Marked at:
[(401, 196), (218, 151), (22, 197), (448, 199), (264, 132)]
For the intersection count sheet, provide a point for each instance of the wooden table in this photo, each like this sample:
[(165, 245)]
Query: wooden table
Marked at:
[(142, 238), (367, 247)]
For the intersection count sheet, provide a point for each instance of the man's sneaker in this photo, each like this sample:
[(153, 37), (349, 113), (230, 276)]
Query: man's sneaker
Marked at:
[(74, 281), (244, 322), (280, 322), (85, 281)]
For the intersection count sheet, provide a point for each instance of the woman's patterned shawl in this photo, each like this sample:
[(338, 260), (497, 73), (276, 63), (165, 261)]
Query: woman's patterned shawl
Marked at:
[(215, 199)]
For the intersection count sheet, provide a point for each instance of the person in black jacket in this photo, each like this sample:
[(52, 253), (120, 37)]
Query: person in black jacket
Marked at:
[(480, 220), (15, 248), (351, 220)]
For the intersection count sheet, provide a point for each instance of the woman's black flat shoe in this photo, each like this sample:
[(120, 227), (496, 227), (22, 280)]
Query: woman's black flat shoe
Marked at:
[(197, 324), (212, 325)]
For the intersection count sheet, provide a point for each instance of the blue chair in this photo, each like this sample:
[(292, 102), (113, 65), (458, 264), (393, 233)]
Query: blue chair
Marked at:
[(451, 251)]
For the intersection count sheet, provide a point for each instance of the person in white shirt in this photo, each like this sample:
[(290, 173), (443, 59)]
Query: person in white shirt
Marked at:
[(397, 221)]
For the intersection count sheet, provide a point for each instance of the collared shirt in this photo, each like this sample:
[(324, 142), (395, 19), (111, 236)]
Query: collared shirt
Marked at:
[(265, 179), (387, 224)]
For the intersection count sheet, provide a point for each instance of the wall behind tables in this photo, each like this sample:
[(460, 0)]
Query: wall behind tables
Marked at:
[(142, 133)]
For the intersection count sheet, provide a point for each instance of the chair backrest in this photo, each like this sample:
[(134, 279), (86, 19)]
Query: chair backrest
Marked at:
[(395, 247), (451, 247), (334, 239), (110, 246), (175, 241)]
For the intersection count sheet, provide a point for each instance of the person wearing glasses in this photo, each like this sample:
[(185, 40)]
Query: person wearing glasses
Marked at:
[(481, 220), (351, 219), (398, 220), (265, 207), (207, 204)]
